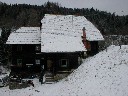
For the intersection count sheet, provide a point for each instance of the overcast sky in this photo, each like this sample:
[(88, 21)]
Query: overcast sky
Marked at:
[(120, 7)]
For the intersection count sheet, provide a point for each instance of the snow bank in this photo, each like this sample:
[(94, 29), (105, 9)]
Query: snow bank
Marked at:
[(105, 74), (4, 69)]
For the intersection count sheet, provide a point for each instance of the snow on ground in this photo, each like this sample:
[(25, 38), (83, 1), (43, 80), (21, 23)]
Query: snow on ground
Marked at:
[(105, 74), (3, 69)]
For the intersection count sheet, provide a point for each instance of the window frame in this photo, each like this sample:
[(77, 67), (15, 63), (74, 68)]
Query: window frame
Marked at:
[(19, 63), (19, 48), (37, 48), (37, 61), (64, 65)]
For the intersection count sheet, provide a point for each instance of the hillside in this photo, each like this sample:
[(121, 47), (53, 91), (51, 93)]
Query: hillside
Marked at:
[(104, 74)]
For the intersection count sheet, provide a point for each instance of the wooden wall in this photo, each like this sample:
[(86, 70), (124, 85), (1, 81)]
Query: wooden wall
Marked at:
[(72, 61), (28, 54)]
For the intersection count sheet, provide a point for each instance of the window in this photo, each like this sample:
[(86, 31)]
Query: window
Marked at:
[(37, 61), (19, 62), (37, 48), (64, 62), (19, 48)]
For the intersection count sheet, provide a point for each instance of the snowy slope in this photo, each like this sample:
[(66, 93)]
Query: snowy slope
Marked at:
[(105, 74)]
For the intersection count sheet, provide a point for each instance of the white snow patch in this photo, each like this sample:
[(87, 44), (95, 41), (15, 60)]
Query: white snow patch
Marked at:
[(105, 74)]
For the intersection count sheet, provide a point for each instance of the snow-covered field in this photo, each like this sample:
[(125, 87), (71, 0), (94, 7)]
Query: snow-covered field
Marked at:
[(105, 74)]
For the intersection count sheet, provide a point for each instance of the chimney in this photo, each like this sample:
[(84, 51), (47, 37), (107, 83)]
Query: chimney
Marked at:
[(84, 37)]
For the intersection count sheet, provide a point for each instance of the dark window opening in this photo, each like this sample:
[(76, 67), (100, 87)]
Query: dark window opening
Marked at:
[(19, 48), (37, 48), (64, 63), (37, 61), (19, 62)]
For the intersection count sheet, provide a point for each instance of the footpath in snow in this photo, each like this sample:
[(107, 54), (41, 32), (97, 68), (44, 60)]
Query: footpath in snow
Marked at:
[(105, 74)]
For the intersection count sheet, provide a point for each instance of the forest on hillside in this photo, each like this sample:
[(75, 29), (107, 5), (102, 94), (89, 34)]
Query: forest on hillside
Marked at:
[(17, 15)]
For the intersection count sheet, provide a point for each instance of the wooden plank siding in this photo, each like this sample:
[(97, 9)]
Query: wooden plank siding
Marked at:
[(57, 58), (28, 55), (94, 48)]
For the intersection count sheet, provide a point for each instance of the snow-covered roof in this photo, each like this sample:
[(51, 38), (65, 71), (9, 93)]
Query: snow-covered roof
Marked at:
[(25, 35), (70, 25), (62, 33), (60, 43)]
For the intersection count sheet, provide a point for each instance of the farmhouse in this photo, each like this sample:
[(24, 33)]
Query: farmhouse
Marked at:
[(58, 45), (24, 45)]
